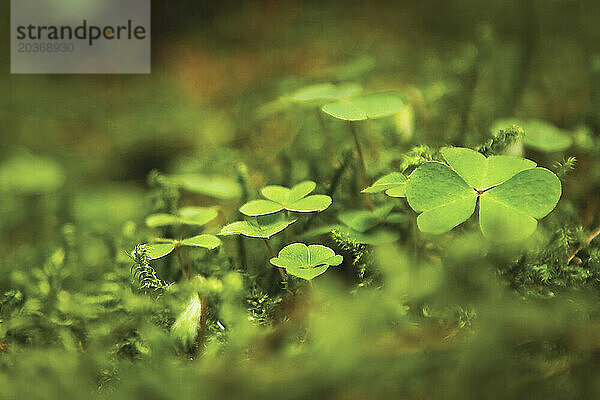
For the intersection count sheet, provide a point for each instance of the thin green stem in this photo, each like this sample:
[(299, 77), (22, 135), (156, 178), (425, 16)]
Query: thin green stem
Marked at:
[(272, 254), (363, 167), (326, 138)]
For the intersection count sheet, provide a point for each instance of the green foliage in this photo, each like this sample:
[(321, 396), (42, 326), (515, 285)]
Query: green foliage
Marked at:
[(280, 198), (539, 135), (164, 247), (187, 216), (25, 173), (322, 93), (259, 227), (402, 315), (306, 262), (512, 193), (360, 108), (393, 184)]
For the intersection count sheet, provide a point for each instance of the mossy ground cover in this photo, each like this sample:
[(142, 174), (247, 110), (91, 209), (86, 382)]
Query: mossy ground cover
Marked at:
[(311, 201)]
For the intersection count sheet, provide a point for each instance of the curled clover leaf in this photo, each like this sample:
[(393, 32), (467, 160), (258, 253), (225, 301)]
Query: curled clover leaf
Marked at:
[(513, 193), (260, 227), (359, 108), (166, 246), (393, 184), (187, 216), (306, 262), (281, 198)]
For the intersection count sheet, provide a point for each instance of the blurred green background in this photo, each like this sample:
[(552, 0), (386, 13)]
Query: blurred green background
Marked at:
[(461, 320)]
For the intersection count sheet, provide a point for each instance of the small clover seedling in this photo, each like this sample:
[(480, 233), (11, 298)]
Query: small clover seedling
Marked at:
[(512, 192), (360, 108), (539, 135), (306, 262), (280, 198), (393, 184), (315, 96), (262, 227), (187, 216), (163, 247)]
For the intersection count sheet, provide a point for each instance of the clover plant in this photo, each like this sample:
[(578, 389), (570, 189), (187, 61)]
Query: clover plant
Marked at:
[(360, 108), (306, 262), (513, 193), (259, 227), (280, 198)]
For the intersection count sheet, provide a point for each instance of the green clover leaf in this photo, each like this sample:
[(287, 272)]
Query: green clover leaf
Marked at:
[(220, 187), (260, 227), (512, 191), (280, 198), (306, 262), (324, 93), (539, 135), (393, 184), (187, 216), (164, 247), (360, 108)]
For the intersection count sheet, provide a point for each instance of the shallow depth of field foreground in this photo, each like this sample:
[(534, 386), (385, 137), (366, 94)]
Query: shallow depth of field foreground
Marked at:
[(310, 200)]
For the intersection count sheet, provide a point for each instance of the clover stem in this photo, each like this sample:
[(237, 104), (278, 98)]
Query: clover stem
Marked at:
[(272, 253), (588, 240), (363, 167), (326, 139), (180, 261)]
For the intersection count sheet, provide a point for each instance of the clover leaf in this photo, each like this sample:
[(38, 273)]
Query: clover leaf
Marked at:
[(306, 262), (187, 216), (539, 135), (324, 93), (220, 187), (393, 184), (360, 108), (260, 227), (513, 193), (363, 226), (280, 198), (164, 247)]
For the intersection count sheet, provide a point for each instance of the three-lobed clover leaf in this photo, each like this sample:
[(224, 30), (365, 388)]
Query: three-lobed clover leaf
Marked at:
[(164, 247), (359, 108), (262, 227), (187, 216), (280, 198), (513, 193), (306, 262), (393, 184)]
